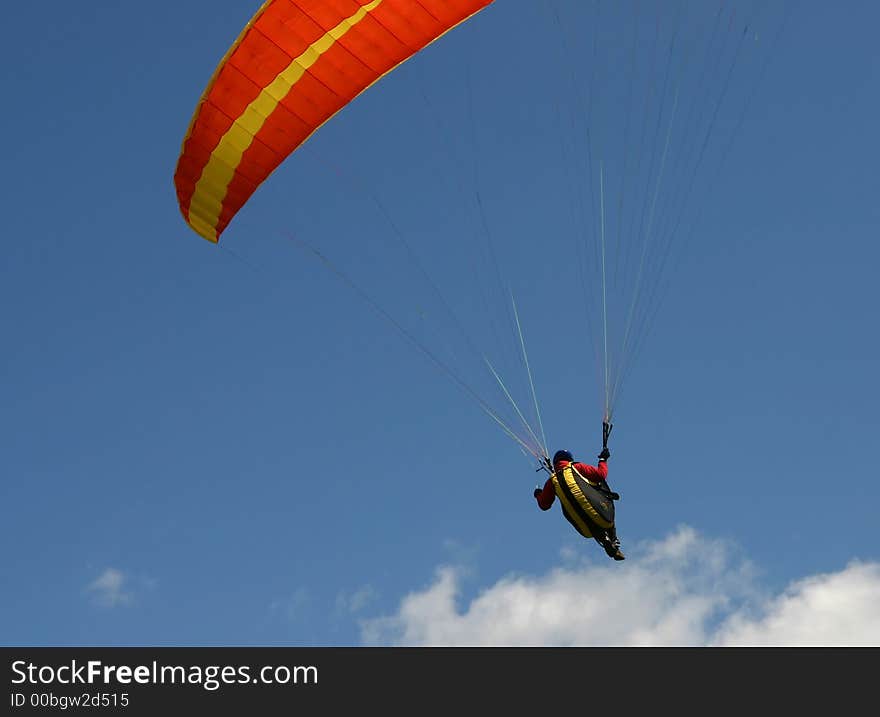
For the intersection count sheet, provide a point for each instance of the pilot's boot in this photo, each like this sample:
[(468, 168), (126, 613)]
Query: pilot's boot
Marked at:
[(612, 544)]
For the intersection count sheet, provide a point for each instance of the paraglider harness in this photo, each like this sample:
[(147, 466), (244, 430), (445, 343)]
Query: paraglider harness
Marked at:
[(601, 486), (587, 505)]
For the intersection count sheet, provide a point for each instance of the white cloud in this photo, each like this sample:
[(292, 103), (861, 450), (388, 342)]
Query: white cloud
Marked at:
[(684, 590), (356, 601), (833, 609), (108, 588)]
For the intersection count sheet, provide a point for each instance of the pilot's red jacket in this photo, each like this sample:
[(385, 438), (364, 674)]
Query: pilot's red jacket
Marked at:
[(547, 495)]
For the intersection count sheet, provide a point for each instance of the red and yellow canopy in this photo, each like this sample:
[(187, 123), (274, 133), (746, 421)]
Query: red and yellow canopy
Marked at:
[(296, 64)]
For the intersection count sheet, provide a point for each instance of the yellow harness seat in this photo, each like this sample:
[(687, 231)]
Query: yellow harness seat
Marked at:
[(584, 504)]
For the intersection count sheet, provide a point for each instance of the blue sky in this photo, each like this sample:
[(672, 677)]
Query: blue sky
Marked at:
[(227, 445)]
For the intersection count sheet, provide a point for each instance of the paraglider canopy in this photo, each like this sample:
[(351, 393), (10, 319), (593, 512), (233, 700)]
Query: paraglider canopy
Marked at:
[(293, 67)]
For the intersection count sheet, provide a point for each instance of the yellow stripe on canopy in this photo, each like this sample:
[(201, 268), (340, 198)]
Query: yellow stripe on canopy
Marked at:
[(207, 200)]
